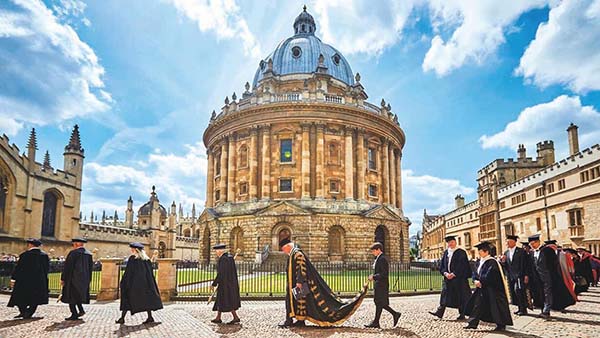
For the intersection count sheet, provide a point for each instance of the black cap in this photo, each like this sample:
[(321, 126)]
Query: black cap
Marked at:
[(570, 250), (550, 241), (533, 238), (487, 246), (219, 247), (136, 245), (525, 243), (376, 246), (34, 241), (582, 249), (79, 240), (450, 238), (513, 237), (284, 242)]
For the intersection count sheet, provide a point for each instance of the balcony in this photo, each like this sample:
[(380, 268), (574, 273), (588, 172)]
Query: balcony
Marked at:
[(577, 232)]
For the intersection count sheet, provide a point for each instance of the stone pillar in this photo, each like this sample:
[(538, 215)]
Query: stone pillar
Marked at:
[(348, 165), (223, 182), (231, 167), (392, 162), (266, 163), (360, 165), (210, 179), (305, 160), (109, 279), (399, 179), (253, 158), (385, 173), (320, 169), (167, 278)]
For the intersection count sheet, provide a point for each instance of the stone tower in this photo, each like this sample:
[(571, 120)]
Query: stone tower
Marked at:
[(129, 213), (73, 156)]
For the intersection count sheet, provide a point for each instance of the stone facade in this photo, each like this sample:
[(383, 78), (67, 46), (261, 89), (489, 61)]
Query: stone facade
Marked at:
[(433, 233), (304, 155)]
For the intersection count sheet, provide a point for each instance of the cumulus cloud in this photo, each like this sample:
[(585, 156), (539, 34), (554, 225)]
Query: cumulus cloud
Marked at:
[(548, 121), (479, 28), (222, 17), (429, 192), (48, 74), (566, 49)]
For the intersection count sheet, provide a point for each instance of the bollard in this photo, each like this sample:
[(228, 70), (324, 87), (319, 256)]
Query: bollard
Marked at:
[(167, 278), (109, 279)]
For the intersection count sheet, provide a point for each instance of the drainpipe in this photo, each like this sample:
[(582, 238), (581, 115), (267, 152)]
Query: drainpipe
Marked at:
[(546, 210)]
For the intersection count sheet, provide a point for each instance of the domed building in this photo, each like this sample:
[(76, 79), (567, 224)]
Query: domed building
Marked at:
[(302, 154)]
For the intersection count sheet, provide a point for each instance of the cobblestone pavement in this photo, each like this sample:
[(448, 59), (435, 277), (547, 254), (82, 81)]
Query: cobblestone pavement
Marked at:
[(260, 318)]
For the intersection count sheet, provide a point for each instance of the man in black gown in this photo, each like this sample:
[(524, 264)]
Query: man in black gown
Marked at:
[(489, 302), (76, 278), (226, 282), (456, 271), (30, 280), (515, 261), (381, 286)]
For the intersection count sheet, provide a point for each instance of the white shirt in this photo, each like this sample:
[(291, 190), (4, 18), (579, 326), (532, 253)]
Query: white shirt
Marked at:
[(536, 254), (450, 253), (483, 260), (511, 253), (376, 258)]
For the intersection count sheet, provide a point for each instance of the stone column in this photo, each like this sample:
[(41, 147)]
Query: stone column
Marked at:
[(348, 165), (109, 279), (167, 278), (231, 168), (266, 163), (210, 179), (392, 162), (223, 182), (360, 165), (399, 179), (385, 172), (253, 158), (320, 169), (305, 160)]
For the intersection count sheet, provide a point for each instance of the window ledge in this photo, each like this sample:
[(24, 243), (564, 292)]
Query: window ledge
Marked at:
[(287, 163)]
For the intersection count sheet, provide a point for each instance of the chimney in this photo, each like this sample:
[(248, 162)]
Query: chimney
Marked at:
[(522, 152), (573, 139), (459, 201), (545, 152)]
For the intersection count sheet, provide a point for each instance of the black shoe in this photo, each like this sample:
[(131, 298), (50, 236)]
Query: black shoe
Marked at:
[(299, 323), (470, 327), (72, 318), (461, 317), (516, 312), (519, 313), (396, 318), (27, 315), (437, 314), (20, 315), (120, 321), (149, 320), (234, 321), (216, 321), (500, 328), (285, 324), (372, 325), (545, 315), (80, 314)]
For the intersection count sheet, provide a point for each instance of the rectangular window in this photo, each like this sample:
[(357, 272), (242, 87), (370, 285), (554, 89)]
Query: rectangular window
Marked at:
[(553, 221), (575, 219), (285, 185), (217, 195), (285, 150), (243, 188), (539, 192), (584, 176), (372, 159), (538, 224), (561, 184), (458, 240), (550, 188), (334, 186), (502, 206), (217, 164), (521, 227), (373, 190)]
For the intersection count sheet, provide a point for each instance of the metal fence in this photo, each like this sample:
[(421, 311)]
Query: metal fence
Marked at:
[(56, 268), (269, 280)]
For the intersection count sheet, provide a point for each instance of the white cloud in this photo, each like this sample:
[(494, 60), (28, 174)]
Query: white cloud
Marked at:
[(566, 49), (481, 26), (362, 26), (49, 75), (548, 121), (429, 192), (9, 126), (223, 17)]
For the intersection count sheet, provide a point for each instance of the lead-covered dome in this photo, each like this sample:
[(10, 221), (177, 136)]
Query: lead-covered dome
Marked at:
[(301, 53)]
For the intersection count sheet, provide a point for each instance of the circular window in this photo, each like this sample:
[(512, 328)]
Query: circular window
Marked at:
[(336, 59), (296, 52)]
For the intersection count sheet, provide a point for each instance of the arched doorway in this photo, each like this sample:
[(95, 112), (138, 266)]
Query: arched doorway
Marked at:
[(280, 231), (206, 245), (336, 243), (162, 248), (49, 214), (381, 236)]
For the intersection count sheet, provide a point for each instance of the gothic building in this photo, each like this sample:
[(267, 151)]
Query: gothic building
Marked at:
[(302, 154)]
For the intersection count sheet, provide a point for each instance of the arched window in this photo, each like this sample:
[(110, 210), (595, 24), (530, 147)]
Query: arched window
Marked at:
[(197, 234), (49, 214), (244, 156), (187, 232), (336, 241), (237, 240), (381, 236), (3, 193), (333, 150)]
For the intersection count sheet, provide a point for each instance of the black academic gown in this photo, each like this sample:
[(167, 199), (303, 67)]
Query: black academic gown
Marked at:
[(585, 270), (490, 302), (228, 291), (456, 291), (381, 293), (321, 306), (77, 275), (516, 270), (548, 272), (139, 291), (31, 279)]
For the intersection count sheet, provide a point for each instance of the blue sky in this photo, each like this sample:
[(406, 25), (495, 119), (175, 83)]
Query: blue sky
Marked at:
[(469, 81)]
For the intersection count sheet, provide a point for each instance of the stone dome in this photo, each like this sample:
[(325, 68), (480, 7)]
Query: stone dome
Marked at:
[(300, 54), (146, 209)]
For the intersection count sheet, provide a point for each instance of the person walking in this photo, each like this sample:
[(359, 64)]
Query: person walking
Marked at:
[(76, 278), (380, 278), (226, 282)]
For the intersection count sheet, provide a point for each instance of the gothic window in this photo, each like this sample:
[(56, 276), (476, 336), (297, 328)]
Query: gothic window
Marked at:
[(237, 240), (334, 153), (285, 150), (336, 237), (49, 214), (381, 234), (217, 195), (3, 191), (372, 159), (244, 157)]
